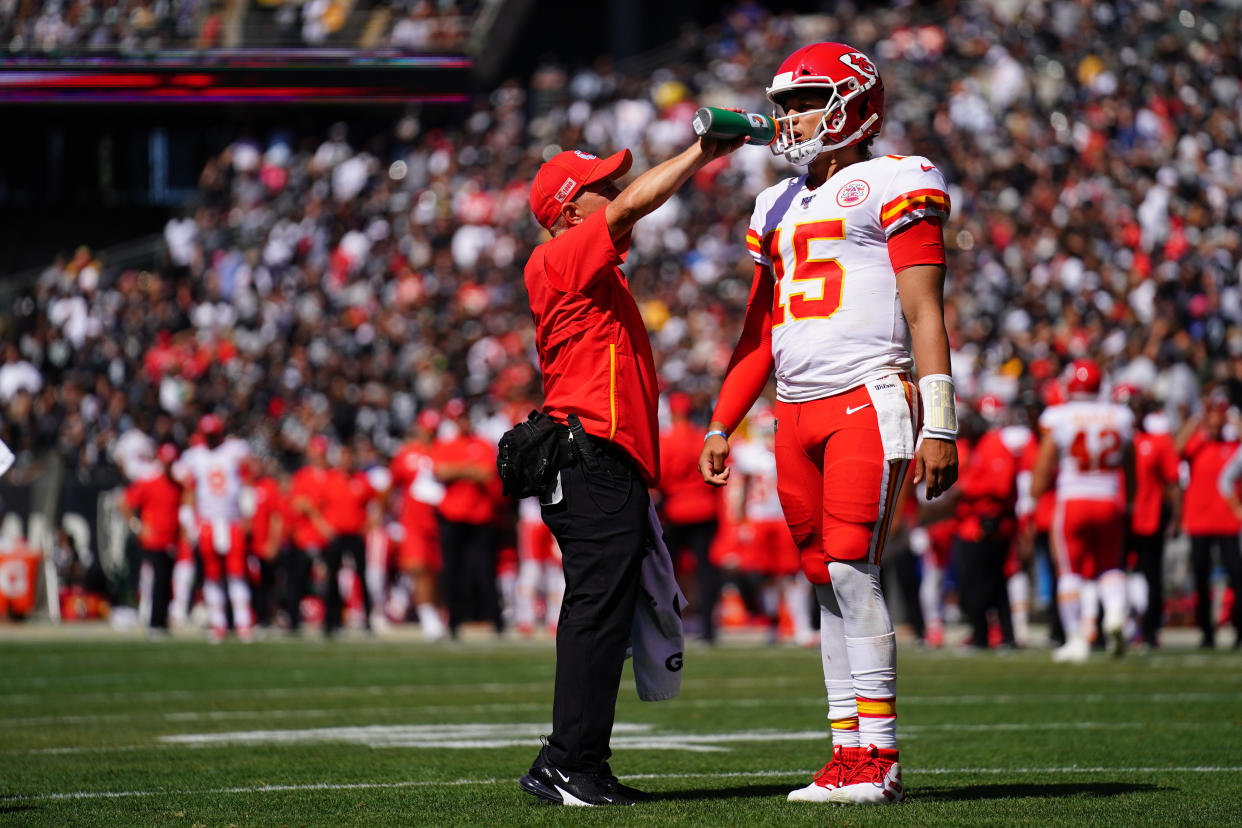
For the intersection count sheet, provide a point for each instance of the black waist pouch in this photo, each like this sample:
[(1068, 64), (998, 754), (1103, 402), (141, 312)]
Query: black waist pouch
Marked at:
[(530, 454)]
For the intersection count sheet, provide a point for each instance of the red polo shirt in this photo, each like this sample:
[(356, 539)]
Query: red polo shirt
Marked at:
[(687, 499), (467, 501), (1155, 467), (345, 501), (309, 483), (593, 347), (1204, 510), (156, 500)]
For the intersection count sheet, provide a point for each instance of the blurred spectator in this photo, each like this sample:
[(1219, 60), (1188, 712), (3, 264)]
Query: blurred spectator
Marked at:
[(689, 509)]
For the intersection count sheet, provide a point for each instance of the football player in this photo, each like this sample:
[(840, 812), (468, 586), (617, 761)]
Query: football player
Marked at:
[(849, 279)]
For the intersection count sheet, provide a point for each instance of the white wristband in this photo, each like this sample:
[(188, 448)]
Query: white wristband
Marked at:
[(939, 408), (715, 432)]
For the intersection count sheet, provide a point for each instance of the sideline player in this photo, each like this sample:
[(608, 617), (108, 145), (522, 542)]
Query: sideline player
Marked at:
[(1088, 445), (849, 260), (212, 472)]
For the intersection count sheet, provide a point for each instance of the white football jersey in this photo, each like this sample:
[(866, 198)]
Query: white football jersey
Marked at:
[(758, 464), (216, 477), (1091, 438), (837, 320)]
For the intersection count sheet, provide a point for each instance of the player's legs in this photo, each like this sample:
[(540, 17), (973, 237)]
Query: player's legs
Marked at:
[(183, 572), (213, 582), (239, 589), (530, 572), (858, 491)]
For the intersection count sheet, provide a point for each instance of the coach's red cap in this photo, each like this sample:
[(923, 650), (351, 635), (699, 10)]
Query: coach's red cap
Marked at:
[(560, 179)]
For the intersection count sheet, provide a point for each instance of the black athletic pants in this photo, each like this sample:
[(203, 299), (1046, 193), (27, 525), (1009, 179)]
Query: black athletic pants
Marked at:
[(161, 561), (469, 552), (697, 537), (981, 579), (1149, 551), (355, 546), (1201, 562), (601, 525), (295, 565)]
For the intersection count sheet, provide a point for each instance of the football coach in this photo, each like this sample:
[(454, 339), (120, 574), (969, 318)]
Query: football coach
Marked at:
[(600, 393)]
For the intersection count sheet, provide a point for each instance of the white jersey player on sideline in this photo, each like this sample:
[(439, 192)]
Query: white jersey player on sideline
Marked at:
[(1088, 443), (755, 459), (213, 473)]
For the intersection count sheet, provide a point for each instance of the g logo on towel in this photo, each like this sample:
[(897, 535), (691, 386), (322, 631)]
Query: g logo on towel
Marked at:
[(673, 663)]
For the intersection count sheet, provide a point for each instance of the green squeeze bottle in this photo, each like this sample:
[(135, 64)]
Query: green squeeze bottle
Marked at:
[(712, 122)]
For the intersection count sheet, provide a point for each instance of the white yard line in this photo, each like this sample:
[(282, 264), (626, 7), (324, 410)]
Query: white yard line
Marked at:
[(356, 786), (486, 736)]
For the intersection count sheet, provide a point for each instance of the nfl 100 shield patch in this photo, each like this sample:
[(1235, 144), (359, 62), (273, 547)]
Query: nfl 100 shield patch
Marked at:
[(855, 192)]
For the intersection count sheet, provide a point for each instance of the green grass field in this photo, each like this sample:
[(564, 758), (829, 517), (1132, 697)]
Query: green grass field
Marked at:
[(119, 731)]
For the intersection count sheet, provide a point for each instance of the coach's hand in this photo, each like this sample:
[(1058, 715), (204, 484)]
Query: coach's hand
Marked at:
[(712, 458), (936, 462)]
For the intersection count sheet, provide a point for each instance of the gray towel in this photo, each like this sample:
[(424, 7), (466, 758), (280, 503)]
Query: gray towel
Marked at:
[(657, 642)]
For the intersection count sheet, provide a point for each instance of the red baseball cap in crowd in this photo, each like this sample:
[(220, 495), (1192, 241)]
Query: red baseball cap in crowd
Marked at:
[(167, 453), (317, 445), (454, 408), (560, 179)]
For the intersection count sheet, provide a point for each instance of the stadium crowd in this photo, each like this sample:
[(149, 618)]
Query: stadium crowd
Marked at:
[(350, 288), (69, 27)]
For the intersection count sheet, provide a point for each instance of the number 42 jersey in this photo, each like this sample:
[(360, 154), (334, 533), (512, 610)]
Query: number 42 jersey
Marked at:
[(1091, 438), (832, 252)]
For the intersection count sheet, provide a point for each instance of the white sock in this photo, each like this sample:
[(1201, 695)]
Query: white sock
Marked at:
[(1112, 591), (798, 602), (929, 593), (213, 595), (183, 585), (239, 595), (871, 647), (1069, 601), (524, 589), (1136, 593), (1019, 586), (146, 580), (429, 619), (842, 703)]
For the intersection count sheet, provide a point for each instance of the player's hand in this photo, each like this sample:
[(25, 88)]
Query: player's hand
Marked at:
[(713, 148), (936, 462), (712, 460)]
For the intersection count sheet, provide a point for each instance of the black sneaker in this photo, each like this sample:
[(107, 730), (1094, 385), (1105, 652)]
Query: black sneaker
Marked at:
[(553, 784)]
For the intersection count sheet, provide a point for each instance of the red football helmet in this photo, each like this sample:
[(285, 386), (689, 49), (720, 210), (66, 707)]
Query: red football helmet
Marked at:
[(1084, 377), (991, 408), (855, 107)]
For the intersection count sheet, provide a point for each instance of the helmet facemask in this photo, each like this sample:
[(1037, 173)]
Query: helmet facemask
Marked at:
[(827, 136)]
